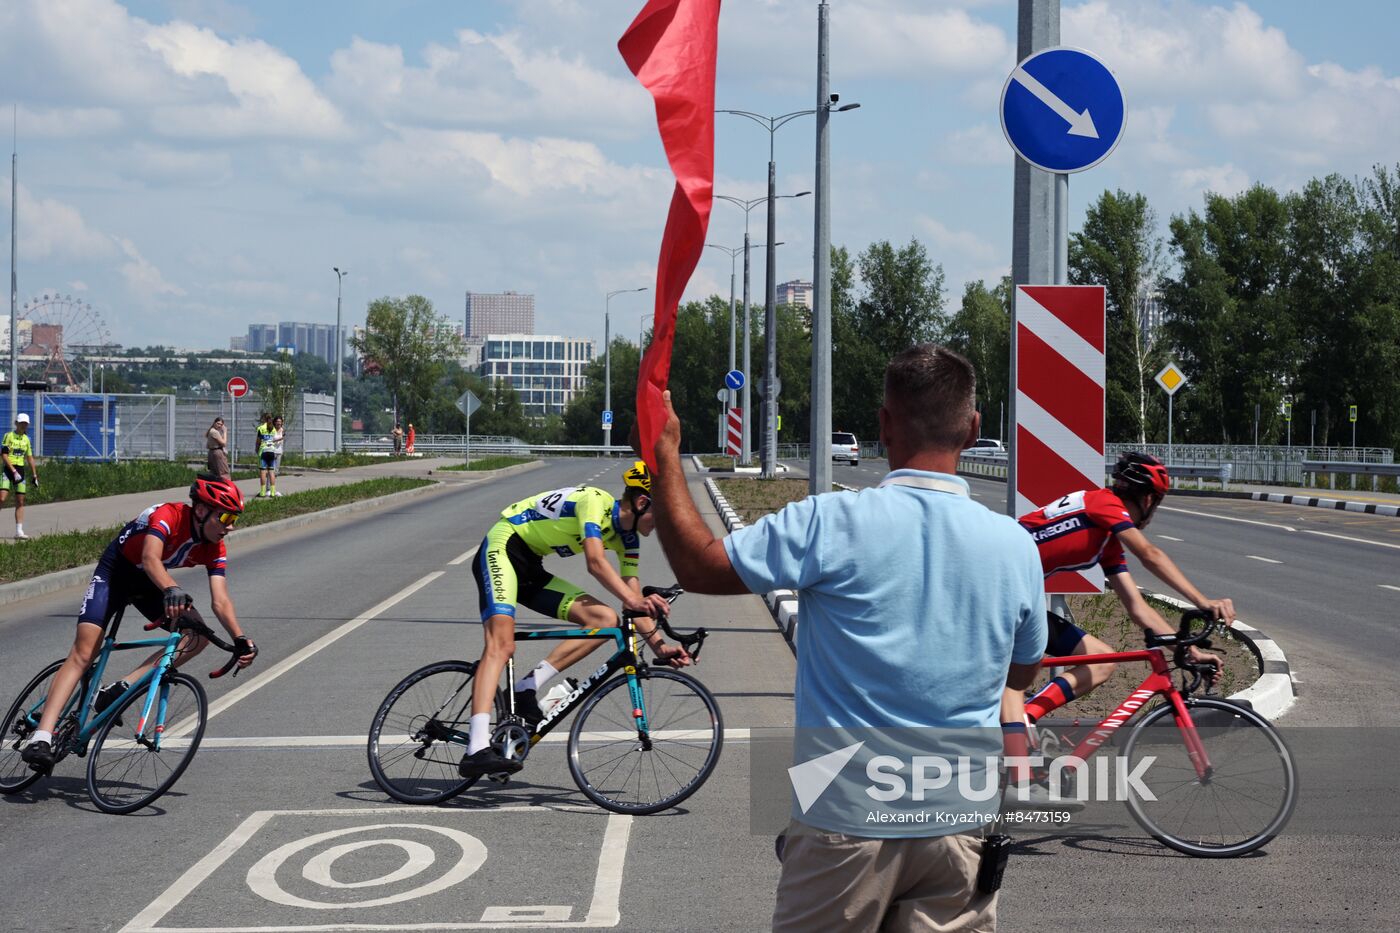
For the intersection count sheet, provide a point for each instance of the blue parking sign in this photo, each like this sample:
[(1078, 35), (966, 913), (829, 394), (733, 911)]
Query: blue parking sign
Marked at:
[(607, 417), (1062, 110)]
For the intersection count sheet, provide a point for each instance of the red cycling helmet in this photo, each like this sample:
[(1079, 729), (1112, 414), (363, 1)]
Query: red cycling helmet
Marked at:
[(1141, 474), (220, 494)]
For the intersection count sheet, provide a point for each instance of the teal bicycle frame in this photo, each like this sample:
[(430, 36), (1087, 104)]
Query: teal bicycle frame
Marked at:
[(153, 682), (625, 659)]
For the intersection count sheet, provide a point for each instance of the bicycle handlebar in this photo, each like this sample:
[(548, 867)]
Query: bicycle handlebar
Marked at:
[(692, 642), (1182, 640), (187, 623)]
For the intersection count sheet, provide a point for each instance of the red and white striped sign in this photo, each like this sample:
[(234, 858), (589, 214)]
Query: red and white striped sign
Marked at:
[(1059, 403), (733, 432)]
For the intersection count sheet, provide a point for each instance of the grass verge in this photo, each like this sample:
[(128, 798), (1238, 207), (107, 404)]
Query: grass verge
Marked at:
[(1102, 616), (66, 480), (718, 462), (329, 461), (489, 463), (20, 560)]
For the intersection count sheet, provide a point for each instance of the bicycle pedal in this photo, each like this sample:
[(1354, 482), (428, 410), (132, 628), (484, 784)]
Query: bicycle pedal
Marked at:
[(500, 777)]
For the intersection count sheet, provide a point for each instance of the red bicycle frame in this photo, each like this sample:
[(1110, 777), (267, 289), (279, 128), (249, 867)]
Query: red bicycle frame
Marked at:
[(1157, 683)]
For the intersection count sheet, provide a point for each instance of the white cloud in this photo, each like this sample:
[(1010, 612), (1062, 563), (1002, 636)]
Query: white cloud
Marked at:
[(141, 277), (68, 122), (977, 145), (50, 229), (962, 243), (495, 80), (1225, 179), (78, 285)]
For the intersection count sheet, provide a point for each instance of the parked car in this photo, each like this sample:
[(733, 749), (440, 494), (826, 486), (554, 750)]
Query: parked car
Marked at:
[(987, 445), (845, 447)]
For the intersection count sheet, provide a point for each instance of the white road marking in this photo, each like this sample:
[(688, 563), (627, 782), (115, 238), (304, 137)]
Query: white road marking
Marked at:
[(1267, 560), (1326, 534), (1170, 538), (341, 741), (604, 910), (462, 559), (291, 661), (1225, 518), (1387, 586)]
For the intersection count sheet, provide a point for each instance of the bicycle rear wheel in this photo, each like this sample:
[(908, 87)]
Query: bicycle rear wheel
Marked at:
[(612, 764), (1241, 804), (125, 771), (21, 719), (419, 733)]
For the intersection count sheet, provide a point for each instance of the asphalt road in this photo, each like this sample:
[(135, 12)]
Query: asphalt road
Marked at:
[(278, 826)]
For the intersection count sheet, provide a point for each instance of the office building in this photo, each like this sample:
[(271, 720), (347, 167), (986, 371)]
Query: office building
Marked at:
[(547, 372), (296, 336), (796, 292), (503, 313)]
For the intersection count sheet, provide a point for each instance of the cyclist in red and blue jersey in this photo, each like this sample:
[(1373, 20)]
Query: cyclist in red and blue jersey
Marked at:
[(135, 571), (1092, 527)]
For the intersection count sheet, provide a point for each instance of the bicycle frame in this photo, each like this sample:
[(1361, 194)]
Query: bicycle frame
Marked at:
[(1157, 683), (625, 659), (89, 724)]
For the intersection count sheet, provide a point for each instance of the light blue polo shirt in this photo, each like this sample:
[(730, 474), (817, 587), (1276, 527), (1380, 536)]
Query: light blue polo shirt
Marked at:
[(912, 601)]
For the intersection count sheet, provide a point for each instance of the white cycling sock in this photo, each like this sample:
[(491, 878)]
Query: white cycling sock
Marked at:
[(480, 734), (41, 736), (536, 679)]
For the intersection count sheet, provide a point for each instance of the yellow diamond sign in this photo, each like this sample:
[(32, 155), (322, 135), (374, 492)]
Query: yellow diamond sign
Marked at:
[(1171, 378)]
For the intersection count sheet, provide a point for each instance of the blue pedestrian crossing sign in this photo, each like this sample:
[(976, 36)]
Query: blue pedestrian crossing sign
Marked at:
[(607, 417), (734, 380), (1062, 110)]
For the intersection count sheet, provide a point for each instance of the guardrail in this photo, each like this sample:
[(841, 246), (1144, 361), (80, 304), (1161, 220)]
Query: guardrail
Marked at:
[(992, 463), (1311, 468), (440, 445)]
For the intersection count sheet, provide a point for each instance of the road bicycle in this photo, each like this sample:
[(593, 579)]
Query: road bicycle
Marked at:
[(1224, 782), (646, 737), (125, 770)]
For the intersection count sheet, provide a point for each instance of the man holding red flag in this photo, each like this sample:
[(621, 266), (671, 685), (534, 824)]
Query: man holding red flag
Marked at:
[(671, 47)]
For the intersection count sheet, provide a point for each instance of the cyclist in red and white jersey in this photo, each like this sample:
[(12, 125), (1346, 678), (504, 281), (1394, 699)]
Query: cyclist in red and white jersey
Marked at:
[(1091, 527)]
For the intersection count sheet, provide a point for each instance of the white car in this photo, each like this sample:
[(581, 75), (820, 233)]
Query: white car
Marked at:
[(845, 447), (987, 444)]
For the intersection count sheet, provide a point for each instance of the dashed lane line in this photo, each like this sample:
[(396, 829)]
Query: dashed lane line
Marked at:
[(1387, 586), (463, 558), (1267, 560), (1170, 538)]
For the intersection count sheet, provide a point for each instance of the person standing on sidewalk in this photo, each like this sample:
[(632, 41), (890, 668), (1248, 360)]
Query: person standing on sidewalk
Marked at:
[(918, 606), (397, 435), (269, 443), (15, 450), (216, 439), (408, 443)]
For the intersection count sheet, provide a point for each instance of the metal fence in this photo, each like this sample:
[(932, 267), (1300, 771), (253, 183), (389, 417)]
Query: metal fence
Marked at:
[(118, 427), (1267, 465)]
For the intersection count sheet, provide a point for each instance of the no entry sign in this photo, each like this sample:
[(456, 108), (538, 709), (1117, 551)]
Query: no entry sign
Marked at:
[(238, 387)]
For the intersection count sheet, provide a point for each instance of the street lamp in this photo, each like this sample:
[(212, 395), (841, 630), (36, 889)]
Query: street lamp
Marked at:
[(732, 252), (339, 363), (819, 467), (607, 361), (747, 205)]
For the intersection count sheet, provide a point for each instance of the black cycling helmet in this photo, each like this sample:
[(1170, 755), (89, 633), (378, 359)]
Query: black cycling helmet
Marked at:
[(1141, 474)]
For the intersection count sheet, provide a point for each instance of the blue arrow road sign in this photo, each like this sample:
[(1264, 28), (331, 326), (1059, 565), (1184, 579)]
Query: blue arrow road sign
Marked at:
[(734, 380), (607, 417), (1062, 110)]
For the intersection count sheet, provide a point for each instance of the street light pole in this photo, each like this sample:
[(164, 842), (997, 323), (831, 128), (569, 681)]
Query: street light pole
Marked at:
[(607, 362), (339, 361), (746, 455)]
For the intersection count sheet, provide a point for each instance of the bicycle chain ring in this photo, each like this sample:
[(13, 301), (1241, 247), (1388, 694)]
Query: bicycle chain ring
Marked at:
[(511, 740)]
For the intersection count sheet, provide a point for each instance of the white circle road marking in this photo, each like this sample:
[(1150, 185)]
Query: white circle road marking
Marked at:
[(318, 869), (262, 877)]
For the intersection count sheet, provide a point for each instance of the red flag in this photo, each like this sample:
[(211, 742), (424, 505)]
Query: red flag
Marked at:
[(671, 48)]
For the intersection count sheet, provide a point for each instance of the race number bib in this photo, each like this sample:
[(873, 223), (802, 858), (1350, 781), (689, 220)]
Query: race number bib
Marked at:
[(551, 504), (1074, 502)]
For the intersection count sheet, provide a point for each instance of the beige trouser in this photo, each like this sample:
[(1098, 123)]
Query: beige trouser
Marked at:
[(845, 883)]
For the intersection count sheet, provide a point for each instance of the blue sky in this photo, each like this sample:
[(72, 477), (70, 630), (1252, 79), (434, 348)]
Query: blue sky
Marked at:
[(191, 166)]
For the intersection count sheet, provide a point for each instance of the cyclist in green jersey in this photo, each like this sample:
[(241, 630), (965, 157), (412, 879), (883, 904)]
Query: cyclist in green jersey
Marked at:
[(509, 570), (15, 450)]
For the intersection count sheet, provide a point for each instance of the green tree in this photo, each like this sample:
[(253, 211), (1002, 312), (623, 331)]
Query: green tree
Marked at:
[(857, 367), (583, 418), (409, 344), (981, 331), (901, 303)]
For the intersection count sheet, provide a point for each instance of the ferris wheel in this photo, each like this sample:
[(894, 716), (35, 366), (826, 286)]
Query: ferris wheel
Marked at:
[(55, 331)]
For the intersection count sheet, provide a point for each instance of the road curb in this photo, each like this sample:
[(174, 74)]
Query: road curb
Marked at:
[(781, 603), (77, 576), (1273, 693), (1270, 696)]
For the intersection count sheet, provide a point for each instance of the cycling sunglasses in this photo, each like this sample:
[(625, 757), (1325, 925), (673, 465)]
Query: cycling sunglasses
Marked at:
[(228, 519)]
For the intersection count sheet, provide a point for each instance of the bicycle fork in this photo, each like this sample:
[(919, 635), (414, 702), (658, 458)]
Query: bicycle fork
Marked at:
[(157, 696)]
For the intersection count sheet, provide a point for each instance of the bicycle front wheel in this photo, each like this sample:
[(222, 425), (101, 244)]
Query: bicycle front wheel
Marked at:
[(1244, 799), (125, 769), (620, 770), (19, 723), (419, 733)]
